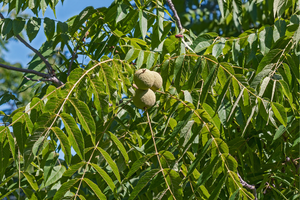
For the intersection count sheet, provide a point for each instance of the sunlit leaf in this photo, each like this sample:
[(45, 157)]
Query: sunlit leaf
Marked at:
[(95, 188), (105, 176), (31, 180), (279, 112), (143, 23), (111, 163), (65, 187), (84, 116), (64, 142), (120, 146), (74, 134)]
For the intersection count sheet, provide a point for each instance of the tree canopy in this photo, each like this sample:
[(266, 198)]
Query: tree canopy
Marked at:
[(225, 124)]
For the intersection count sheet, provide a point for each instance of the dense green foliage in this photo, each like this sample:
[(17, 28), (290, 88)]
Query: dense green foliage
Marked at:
[(229, 105)]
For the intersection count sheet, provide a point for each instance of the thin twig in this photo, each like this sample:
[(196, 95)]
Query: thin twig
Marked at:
[(248, 186), (171, 5), (74, 54), (31, 79), (25, 70), (47, 77), (177, 19), (48, 65), (72, 60)]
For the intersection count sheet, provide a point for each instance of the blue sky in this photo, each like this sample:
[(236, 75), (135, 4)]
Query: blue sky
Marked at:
[(17, 52)]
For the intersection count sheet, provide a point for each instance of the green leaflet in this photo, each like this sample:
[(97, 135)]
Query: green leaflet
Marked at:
[(235, 195), (64, 142), (120, 146), (111, 163), (101, 100), (31, 180), (81, 18), (11, 142), (55, 175), (74, 134), (121, 12), (54, 104), (84, 116), (49, 28), (215, 194), (7, 26), (22, 127), (199, 157), (207, 173), (72, 169), (280, 113), (174, 180), (137, 164), (4, 152), (271, 58), (65, 187), (144, 180), (18, 25), (140, 59), (143, 23), (106, 177), (95, 188), (159, 18), (178, 70), (218, 146), (208, 81), (201, 43), (179, 126), (34, 145)]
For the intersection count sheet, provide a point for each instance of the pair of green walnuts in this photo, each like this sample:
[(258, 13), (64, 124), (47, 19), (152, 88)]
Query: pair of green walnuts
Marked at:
[(147, 81)]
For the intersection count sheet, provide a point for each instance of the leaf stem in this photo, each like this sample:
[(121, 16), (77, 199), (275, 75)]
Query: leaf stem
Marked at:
[(177, 19), (248, 186), (157, 154)]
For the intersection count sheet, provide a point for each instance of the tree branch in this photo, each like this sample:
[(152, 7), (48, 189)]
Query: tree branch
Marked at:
[(171, 5), (248, 186), (31, 79), (25, 70), (48, 65), (47, 77), (74, 54), (51, 76)]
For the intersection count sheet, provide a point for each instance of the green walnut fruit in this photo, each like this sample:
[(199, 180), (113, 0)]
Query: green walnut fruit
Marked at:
[(143, 79), (157, 81), (144, 98)]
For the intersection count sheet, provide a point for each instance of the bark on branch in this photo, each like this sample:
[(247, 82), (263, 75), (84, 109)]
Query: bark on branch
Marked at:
[(177, 19), (47, 77), (248, 186), (25, 70)]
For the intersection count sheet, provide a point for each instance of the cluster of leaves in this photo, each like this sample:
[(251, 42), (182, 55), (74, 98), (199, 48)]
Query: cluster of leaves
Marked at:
[(230, 18), (228, 109)]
